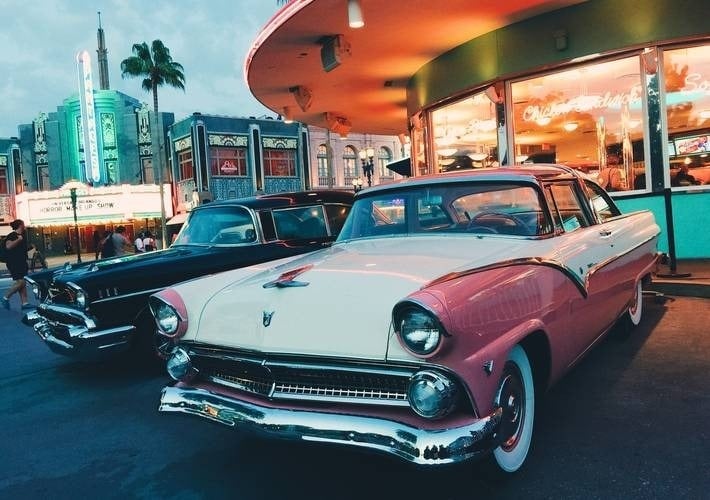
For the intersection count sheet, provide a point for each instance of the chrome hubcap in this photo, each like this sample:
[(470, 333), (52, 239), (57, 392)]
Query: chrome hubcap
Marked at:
[(511, 398)]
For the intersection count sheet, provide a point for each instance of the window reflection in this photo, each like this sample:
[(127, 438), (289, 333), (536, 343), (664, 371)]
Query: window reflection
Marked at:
[(588, 118), (687, 86), (465, 134)]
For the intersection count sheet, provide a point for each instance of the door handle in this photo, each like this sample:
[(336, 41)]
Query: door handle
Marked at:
[(604, 233)]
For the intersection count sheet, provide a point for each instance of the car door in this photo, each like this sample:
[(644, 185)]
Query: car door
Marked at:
[(583, 249)]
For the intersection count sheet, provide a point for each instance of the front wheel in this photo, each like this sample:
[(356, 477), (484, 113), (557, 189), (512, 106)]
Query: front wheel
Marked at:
[(516, 395)]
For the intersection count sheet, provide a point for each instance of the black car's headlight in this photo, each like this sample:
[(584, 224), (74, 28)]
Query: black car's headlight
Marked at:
[(35, 288), (180, 366), (432, 394), (77, 294), (418, 328), (166, 317)]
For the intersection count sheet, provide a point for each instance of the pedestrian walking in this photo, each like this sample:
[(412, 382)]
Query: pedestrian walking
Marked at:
[(148, 242), (16, 261)]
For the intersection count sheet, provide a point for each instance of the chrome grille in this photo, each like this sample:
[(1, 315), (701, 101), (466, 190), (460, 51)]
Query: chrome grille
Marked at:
[(338, 384)]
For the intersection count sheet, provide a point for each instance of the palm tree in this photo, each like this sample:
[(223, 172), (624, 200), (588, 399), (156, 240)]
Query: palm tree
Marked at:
[(156, 66)]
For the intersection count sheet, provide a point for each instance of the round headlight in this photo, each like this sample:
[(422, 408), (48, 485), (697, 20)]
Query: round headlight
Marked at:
[(166, 317), (179, 365), (81, 299), (420, 331), (431, 394)]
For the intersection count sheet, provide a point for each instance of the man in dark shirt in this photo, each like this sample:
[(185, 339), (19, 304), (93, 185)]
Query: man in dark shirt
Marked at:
[(16, 261)]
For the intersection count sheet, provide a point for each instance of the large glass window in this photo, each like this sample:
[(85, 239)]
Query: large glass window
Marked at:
[(186, 166), (147, 170), (279, 162), (227, 161), (589, 118), (465, 134), (687, 86)]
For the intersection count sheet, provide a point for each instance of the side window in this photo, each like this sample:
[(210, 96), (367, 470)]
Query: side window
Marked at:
[(336, 217), (601, 203), (298, 223), (569, 210), (267, 225)]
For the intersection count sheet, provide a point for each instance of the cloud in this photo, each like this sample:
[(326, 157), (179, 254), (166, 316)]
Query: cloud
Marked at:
[(210, 39)]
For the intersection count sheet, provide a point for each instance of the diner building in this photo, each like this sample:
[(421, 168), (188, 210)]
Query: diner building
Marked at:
[(617, 89)]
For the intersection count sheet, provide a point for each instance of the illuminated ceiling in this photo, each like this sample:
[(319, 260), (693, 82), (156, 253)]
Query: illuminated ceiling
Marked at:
[(368, 89)]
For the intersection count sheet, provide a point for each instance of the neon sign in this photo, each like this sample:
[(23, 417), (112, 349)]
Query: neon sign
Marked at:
[(583, 103), (88, 117)]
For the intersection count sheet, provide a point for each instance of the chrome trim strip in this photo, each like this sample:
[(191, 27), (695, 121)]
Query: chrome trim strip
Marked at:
[(133, 294), (582, 284), (615, 257), (261, 359), (524, 261), (409, 443)]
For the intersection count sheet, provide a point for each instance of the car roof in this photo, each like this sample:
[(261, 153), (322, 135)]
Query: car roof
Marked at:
[(286, 199), (521, 173)]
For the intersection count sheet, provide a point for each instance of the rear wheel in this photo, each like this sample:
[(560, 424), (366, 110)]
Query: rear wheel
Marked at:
[(516, 395), (635, 311)]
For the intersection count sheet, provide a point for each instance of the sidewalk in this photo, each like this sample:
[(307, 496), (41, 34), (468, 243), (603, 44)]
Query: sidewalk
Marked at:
[(691, 278)]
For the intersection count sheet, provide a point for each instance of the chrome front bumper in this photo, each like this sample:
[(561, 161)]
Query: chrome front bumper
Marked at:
[(420, 446), (81, 341)]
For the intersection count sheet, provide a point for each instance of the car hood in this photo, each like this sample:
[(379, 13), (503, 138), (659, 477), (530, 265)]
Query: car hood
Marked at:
[(339, 300)]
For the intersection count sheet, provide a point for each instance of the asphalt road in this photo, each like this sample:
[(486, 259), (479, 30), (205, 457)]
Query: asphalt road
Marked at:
[(630, 421)]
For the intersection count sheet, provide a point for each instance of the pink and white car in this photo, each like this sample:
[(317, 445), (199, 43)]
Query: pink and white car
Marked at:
[(427, 330)]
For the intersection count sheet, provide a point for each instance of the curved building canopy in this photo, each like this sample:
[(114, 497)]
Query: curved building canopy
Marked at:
[(365, 87)]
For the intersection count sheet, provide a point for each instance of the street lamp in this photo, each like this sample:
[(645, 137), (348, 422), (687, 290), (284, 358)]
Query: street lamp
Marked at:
[(72, 186), (357, 184), (366, 158)]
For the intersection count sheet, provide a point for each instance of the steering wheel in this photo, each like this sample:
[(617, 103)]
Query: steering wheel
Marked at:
[(472, 228), (477, 221)]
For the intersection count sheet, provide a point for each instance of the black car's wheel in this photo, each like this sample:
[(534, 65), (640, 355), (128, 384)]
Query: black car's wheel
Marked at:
[(516, 395)]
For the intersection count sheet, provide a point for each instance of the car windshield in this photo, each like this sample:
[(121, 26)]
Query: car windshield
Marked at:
[(474, 207), (226, 225)]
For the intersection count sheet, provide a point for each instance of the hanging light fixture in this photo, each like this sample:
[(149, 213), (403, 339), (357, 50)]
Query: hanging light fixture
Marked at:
[(447, 151), (288, 114), (543, 120), (355, 19), (571, 126)]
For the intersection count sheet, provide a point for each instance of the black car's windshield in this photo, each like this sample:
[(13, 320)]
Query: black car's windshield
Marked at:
[(476, 207), (225, 225)]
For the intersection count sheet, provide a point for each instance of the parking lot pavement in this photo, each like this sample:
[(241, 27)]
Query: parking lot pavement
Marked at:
[(628, 422)]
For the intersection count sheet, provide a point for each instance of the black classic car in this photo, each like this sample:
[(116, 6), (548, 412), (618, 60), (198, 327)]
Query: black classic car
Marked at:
[(100, 308)]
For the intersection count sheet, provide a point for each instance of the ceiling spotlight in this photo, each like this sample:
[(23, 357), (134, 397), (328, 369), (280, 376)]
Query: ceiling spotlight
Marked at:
[(355, 19), (543, 120), (571, 126)]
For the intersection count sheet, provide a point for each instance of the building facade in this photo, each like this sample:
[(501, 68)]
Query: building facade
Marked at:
[(117, 183), (617, 89)]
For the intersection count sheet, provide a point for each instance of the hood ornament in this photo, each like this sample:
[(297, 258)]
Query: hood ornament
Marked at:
[(287, 279), (266, 318)]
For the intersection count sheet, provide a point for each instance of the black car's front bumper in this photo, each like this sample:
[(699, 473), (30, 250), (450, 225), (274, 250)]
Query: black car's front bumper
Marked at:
[(78, 336), (420, 446)]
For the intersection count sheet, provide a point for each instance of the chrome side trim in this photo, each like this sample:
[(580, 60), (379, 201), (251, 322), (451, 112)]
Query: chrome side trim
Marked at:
[(409, 443), (133, 294), (524, 261), (582, 283)]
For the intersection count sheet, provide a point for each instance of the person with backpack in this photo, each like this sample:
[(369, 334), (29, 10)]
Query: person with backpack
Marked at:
[(15, 257)]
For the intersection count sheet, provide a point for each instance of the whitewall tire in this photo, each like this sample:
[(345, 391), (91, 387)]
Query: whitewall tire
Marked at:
[(516, 395), (635, 311)]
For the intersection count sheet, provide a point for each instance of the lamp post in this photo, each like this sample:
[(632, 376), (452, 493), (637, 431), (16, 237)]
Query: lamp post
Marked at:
[(72, 186), (357, 184), (367, 156)]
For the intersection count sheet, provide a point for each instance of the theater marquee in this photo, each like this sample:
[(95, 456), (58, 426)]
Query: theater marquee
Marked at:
[(93, 205)]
